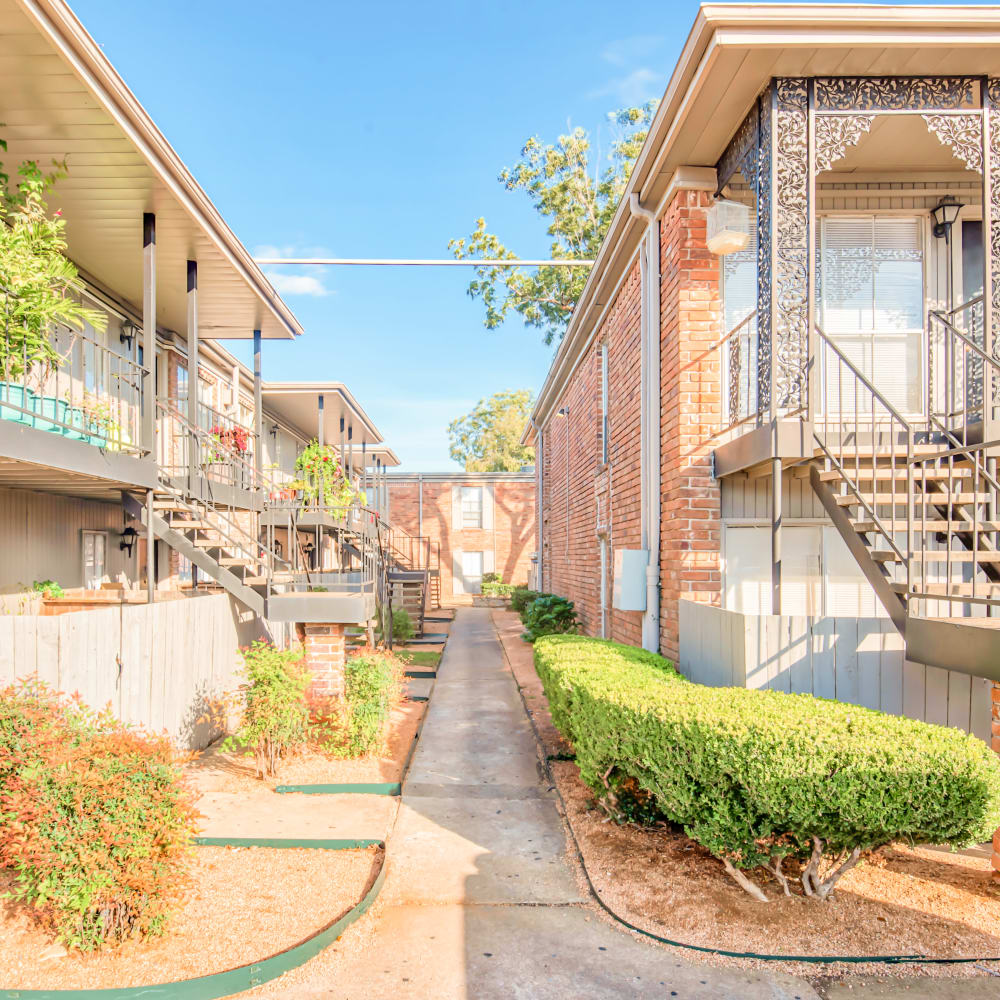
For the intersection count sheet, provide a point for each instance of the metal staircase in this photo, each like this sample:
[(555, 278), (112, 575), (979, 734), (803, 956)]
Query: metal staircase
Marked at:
[(917, 501)]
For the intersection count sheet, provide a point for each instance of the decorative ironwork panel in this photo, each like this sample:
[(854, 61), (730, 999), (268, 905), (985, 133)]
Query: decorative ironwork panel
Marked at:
[(764, 208), (741, 153), (790, 276), (835, 134), (993, 189), (962, 134), (895, 93)]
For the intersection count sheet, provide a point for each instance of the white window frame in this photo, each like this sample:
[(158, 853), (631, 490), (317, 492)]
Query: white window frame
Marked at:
[(94, 582), (476, 511)]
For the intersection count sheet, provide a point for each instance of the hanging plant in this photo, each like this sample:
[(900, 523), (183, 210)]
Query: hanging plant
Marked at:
[(38, 283), (322, 476)]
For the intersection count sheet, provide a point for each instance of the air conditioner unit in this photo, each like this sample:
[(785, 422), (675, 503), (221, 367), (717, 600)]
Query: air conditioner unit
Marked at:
[(728, 227)]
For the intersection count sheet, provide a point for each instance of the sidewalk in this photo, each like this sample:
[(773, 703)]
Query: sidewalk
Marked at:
[(482, 900)]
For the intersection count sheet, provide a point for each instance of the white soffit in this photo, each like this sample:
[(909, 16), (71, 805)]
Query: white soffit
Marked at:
[(60, 97), (297, 403)]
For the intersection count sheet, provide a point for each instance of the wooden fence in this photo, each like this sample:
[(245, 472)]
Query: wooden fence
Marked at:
[(163, 666), (857, 660)]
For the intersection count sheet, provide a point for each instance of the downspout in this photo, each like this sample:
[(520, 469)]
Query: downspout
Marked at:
[(650, 427), (539, 499)]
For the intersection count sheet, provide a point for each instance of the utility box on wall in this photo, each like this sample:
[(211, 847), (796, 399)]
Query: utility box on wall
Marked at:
[(629, 591)]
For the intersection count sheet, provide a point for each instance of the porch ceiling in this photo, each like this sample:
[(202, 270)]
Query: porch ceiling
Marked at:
[(60, 97), (45, 479)]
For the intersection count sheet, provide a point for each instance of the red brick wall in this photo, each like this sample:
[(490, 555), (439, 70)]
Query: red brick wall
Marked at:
[(512, 537), (573, 471), (689, 407), (690, 323)]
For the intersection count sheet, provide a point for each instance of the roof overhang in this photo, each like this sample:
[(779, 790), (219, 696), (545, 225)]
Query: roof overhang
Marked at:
[(61, 97), (297, 403), (731, 53)]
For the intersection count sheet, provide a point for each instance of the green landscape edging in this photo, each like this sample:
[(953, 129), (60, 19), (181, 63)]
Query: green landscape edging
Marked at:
[(244, 977), (344, 788), (417, 674)]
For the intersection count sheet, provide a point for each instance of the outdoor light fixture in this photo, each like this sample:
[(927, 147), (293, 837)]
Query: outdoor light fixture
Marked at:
[(563, 411), (127, 540), (727, 228), (273, 432), (127, 334), (944, 213)]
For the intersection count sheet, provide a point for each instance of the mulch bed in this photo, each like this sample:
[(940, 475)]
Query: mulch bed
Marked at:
[(220, 770), (907, 901), (246, 904)]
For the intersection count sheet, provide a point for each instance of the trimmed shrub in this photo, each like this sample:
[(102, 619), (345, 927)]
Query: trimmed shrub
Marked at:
[(520, 598), (761, 777), (275, 713), (496, 588), (402, 625), (96, 819), (548, 614), (373, 686), (492, 578)]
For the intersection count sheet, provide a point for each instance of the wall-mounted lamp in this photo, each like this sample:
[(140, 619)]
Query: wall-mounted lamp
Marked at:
[(563, 412), (273, 432), (127, 333), (944, 213), (127, 540)]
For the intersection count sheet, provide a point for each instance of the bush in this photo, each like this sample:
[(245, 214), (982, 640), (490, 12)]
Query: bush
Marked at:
[(492, 578), (275, 714), (520, 598), (373, 686), (760, 777), (496, 588), (402, 626), (548, 614), (96, 819), (48, 588)]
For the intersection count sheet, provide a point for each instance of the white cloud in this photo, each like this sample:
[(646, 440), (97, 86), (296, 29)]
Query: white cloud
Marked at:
[(296, 284), (638, 84), (296, 280)]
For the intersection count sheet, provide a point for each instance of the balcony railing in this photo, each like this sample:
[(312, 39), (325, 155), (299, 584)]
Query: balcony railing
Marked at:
[(81, 389), (738, 354)]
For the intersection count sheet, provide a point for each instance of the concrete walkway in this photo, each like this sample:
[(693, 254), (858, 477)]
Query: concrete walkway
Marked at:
[(482, 900)]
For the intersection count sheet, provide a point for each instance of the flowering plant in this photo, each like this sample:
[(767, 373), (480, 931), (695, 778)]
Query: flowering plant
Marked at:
[(322, 476)]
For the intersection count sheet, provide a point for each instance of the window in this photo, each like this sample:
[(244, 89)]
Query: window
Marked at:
[(872, 304), (95, 547), (472, 507)]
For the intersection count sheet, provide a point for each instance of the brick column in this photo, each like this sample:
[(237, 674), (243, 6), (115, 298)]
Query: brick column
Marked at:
[(326, 652), (996, 746), (690, 324)]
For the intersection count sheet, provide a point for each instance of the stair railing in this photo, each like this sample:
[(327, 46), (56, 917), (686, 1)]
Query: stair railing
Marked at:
[(737, 353), (856, 418)]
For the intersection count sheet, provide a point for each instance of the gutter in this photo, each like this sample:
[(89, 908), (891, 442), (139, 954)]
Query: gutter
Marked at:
[(649, 421)]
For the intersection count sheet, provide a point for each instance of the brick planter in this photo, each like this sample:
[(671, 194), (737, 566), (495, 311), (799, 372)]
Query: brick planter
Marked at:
[(326, 652)]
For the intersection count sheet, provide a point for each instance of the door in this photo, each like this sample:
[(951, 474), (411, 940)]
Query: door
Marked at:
[(472, 572), (871, 305)]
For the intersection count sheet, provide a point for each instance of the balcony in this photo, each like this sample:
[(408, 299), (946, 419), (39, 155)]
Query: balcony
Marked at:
[(71, 403)]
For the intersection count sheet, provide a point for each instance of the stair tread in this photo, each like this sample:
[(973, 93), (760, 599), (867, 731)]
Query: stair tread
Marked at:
[(958, 589), (930, 524), (898, 473), (885, 499), (936, 556)]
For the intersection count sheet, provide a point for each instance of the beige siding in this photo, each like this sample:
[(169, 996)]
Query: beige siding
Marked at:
[(745, 499), (40, 538)]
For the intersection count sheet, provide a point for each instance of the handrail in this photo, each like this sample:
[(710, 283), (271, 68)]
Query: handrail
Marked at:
[(730, 352), (861, 377), (939, 316)]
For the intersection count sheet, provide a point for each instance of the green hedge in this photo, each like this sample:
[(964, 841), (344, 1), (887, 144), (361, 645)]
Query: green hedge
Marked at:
[(757, 775)]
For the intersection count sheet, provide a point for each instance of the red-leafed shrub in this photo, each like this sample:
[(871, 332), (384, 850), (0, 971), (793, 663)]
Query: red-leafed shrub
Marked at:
[(96, 820)]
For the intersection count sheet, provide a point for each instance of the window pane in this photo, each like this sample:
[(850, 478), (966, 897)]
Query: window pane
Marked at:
[(472, 507), (848, 274), (899, 275)]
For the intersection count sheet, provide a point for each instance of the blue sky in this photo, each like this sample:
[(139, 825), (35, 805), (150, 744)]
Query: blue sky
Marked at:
[(378, 130)]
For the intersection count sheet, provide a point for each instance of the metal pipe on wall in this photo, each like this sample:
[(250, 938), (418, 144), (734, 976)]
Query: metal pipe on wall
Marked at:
[(192, 368)]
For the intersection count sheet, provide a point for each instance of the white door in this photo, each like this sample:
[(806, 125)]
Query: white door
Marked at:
[(472, 572)]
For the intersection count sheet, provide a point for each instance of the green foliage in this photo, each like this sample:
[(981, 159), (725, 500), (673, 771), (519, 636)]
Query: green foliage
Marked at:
[(520, 598), (37, 281), (548, 614), (578, 201), (421, 658), (758, 777), (402, 625), (321, 476), (373, 686), (496, 588), (48, 588), (492, 578), (488, 438), (275, 714), (96, 820)]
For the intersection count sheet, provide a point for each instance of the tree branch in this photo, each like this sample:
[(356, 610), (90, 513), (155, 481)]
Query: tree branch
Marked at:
[(744, 883)]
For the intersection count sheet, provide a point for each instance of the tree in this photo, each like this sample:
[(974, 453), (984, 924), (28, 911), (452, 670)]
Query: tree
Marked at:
[(487, 439), (580, 203)]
